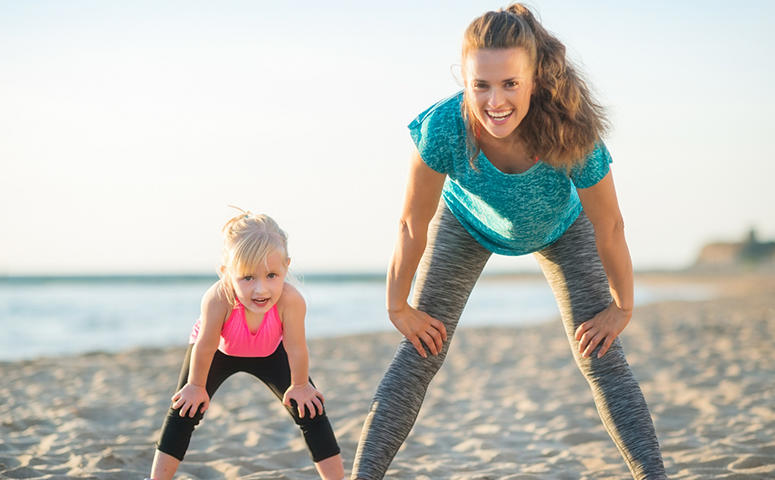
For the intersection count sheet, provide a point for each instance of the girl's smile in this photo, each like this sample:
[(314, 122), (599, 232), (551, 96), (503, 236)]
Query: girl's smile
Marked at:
[(261, 303)]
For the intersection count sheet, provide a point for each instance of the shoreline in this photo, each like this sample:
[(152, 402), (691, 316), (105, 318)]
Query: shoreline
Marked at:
[(654, 287)]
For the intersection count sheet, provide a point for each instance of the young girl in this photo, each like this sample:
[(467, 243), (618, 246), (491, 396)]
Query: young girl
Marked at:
[(251, 321), (517, 160)]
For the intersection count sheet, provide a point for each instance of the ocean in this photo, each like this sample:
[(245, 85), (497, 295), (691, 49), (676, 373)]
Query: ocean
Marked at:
[(50, 316)]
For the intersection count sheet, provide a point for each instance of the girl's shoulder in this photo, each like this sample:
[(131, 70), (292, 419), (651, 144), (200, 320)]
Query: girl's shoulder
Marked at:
[(291, 302), (215, 303), (215, 295)]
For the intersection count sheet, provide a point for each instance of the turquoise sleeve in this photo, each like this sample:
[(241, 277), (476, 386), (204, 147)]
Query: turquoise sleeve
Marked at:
[(593, 169), (428, 133)]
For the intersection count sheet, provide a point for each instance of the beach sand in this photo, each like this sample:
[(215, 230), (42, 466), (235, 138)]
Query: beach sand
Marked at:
[(508, 404)]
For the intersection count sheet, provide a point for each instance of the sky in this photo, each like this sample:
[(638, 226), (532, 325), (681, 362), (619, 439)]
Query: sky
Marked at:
[(127, 128)]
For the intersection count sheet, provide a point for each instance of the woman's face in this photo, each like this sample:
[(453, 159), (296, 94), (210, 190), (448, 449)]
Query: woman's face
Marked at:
[(499, 83)]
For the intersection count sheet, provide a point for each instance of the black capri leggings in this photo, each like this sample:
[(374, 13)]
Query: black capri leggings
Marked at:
[(275, 372)]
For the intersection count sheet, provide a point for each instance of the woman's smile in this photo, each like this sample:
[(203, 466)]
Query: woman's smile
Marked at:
[(499, 117)]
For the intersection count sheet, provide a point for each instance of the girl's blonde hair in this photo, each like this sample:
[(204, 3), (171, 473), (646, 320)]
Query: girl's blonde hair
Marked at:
[(563, 121), (248, 239)]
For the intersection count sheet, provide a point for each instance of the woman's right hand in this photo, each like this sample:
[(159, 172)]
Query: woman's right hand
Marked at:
[(189, 398), (419, 328)]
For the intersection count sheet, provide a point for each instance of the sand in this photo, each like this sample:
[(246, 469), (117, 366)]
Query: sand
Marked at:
[(508, 404)]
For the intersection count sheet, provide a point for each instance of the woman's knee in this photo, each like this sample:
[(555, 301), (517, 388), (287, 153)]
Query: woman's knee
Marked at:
[(611, 365), (410, 364)]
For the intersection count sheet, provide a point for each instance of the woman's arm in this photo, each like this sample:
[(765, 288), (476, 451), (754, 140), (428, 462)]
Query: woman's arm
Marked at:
[(292, 310), (602, 208), (423, 190), (215, 306)]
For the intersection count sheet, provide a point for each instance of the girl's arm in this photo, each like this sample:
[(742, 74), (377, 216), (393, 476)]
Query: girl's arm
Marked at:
[(215, 307), (602, 208), (292, 309), (423, 190)]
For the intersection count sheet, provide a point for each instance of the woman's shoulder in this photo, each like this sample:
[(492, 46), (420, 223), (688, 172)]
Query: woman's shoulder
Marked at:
[(593, 167), (439, 134), (446, 110)]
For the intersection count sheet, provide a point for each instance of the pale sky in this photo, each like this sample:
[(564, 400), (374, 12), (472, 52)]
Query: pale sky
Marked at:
[(126, 128)]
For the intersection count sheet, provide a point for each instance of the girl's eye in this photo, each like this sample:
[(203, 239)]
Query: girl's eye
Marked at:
[(272, 275), (248, 278)]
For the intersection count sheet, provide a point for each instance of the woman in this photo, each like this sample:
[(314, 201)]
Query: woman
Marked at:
[(518, 160)]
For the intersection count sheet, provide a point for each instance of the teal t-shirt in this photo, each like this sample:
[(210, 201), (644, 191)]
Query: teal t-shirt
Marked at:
[(509, 214)]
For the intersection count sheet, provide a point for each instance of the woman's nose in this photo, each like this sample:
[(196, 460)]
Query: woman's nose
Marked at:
[(495, 98)]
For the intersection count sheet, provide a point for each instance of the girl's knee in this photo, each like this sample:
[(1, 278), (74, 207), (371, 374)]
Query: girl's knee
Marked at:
[(307, 419), (319, 437), (176, 433), (173, 416)]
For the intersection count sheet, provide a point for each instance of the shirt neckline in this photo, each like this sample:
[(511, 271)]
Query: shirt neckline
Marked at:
[(486, 161), (260, 325)]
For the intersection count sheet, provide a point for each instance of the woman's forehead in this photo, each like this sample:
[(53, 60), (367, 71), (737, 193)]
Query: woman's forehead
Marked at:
[(500, 62)]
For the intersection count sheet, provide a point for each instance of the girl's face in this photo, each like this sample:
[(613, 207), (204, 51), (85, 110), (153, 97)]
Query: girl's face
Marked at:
[(499, 83), (259, 291)]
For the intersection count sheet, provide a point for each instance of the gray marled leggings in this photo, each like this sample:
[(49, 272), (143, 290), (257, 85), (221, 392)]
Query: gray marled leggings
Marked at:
[(452, 263)]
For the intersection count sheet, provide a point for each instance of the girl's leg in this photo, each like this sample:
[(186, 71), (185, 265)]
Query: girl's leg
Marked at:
[(176, 431), (447, 273), (573, 269), (275, 372)]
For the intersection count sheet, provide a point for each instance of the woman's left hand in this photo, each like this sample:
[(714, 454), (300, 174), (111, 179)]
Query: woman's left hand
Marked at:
[(603, 327), (304, 395)]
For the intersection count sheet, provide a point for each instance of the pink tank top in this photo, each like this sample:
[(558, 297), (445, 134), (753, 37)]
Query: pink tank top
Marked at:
[(237, 339)]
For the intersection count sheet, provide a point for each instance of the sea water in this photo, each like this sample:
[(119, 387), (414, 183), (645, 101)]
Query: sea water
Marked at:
[(42, 316)]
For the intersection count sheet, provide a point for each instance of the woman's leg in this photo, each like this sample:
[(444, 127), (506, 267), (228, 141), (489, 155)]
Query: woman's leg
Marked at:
[(573, 269), (446, 275), (176, 431), (275, 372)]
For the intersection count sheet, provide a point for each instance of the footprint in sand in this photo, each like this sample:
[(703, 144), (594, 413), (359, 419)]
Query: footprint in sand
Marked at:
[(748, 462)]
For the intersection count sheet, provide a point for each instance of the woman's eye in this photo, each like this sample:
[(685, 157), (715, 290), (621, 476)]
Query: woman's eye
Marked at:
[(480, 86), (512, 84)]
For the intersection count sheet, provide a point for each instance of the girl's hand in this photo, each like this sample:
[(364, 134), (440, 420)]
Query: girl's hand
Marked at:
[(305, 396), (419, 328), (189, 398), (603, 327)]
